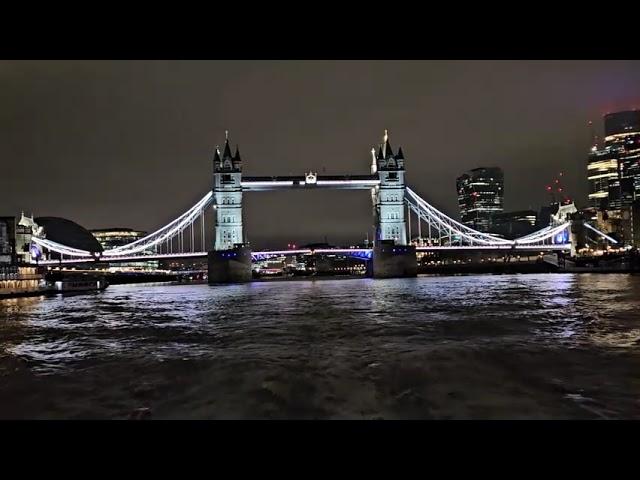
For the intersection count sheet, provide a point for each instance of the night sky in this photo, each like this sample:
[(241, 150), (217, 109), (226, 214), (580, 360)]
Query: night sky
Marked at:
[(130, 144)]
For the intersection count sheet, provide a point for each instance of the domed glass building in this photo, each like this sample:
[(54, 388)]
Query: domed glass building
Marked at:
[(69, 233)]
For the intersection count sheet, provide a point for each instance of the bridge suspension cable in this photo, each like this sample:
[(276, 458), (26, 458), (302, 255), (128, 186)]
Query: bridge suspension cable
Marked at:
[(603, 235), (61, 249), (151, 241), (441, 222), (176, 227)]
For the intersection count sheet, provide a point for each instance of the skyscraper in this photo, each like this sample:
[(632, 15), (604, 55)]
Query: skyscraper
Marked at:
[(480, 196), (614, 168), (602, 174), (614, 176), (622, 134)]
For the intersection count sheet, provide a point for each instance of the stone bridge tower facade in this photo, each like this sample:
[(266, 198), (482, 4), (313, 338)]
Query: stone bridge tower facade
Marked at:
[(227, 198), (389, 195), (230, 259)]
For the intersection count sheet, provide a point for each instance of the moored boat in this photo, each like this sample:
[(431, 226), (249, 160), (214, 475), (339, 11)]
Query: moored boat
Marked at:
[(18, 281), (77, 283)]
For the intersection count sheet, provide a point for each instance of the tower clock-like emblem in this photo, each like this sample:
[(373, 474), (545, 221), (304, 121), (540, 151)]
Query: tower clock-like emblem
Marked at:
[(311, 178)]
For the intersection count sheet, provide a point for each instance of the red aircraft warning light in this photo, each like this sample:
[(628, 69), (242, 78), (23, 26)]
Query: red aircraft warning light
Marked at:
[(556, 187)]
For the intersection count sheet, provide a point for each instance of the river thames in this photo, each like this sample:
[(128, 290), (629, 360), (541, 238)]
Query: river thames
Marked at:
[(545, 346)]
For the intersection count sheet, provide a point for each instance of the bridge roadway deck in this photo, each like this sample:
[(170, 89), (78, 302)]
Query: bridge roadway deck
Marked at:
[(348, 182), (274, 253)]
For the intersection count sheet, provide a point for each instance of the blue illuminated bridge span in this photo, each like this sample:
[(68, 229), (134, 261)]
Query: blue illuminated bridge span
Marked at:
[(363, 253), (400, 216)]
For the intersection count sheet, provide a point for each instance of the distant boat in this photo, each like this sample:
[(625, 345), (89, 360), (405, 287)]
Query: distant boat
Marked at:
[(21, 281), (78, 283), (607, 263), (29, 281)]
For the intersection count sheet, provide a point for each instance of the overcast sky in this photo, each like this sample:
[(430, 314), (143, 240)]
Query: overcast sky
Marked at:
[(128, 143)]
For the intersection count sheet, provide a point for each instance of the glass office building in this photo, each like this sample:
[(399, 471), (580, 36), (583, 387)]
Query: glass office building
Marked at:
[(613, 169), (480, 196)]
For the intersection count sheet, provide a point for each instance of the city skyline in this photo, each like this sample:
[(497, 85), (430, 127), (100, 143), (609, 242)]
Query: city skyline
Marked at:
[(144, 137)]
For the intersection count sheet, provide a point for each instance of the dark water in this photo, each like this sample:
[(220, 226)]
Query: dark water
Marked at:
[(509, 346)]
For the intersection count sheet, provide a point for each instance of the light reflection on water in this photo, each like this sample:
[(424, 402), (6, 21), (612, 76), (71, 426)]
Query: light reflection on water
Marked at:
[(488, 346)]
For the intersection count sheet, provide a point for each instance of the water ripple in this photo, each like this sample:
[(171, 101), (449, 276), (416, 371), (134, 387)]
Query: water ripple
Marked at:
[(508, 346)]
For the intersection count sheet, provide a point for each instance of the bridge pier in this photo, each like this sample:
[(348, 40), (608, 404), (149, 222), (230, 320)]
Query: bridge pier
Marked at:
[(393, 261), (230, 266)]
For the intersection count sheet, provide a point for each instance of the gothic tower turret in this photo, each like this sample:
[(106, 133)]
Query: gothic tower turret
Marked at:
[(236, 161)]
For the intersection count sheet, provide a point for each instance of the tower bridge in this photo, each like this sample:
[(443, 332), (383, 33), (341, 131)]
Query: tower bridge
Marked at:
[(394, 204)]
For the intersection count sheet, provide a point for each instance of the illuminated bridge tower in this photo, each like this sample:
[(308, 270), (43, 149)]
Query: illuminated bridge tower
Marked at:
[(227, 198), (230, 259), (392, 257), (389, 207)]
